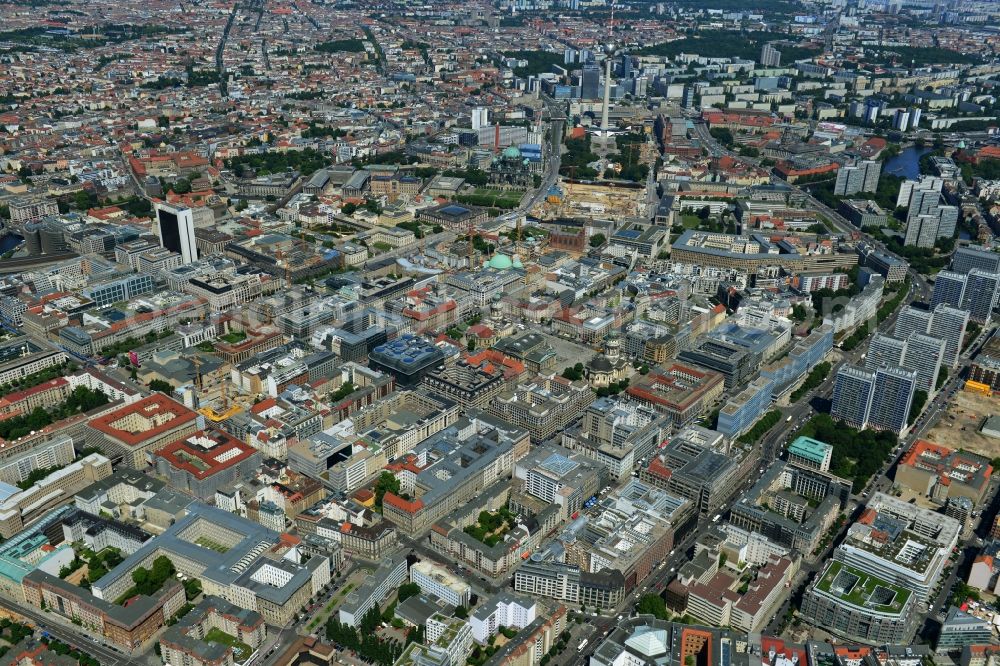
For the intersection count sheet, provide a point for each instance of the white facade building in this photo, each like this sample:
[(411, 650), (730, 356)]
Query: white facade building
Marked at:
[(503, 610)]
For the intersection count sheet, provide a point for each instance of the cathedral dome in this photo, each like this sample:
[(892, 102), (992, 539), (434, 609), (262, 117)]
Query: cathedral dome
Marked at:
[(600, 363), (500, 261)]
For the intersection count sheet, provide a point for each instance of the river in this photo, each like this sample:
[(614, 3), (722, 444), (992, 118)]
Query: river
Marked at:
[(907, 163), (9, 241)]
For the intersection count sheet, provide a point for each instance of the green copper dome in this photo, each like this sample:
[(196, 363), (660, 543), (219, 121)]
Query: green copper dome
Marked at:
[(500, 261)]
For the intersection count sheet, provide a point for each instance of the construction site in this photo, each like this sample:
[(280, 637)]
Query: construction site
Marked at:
[(592, 201), (959, 427)]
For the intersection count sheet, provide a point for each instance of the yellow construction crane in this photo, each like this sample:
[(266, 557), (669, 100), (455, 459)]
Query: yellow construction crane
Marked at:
[(227, 411)]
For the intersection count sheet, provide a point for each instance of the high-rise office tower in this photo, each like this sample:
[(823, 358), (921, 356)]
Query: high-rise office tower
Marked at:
[(880, 400), (949, 324), (480, 118), (849, 180), (949, 288), (924, 356), (921, 230), (947, 221), (860, 177), (926, 184), (872, 109), (852, 395), (873, 169), (175, 227), (625, 68), (911, 320), (884, 350), (967, 258), (688, 96), (770, 56), (926, 218), (590, 81), (919, 352), (901, 121), (892, 397), (923, 200), (981, 291)]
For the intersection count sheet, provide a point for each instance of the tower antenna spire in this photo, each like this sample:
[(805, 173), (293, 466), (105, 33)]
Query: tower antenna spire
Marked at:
[(609, 54)]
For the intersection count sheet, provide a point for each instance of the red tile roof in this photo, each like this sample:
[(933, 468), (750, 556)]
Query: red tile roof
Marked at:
[(409, 506), (153, 406), (186, 454)]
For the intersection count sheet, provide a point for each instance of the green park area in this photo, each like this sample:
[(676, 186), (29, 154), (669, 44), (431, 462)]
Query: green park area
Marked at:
[(234, 337), (488, 198), (857, 455), (211, 544), (537, 62), (148, 582), (728, 44)]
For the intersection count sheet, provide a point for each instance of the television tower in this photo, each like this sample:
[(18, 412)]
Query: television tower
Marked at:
[(609, 53)]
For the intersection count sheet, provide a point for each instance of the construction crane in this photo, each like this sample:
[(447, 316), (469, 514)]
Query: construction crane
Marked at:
[(472, 233), (280, 256), (228, 409), (517, 249), (196, 362)]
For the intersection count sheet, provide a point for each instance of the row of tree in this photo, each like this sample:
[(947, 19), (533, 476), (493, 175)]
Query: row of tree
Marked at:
[(305, 161), (856, 454), (149, 581), (62, 649), (82, 399), (364, 640)]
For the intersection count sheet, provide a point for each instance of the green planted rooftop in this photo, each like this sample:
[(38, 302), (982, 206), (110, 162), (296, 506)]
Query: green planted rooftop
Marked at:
[(857, 588), (241, 651)]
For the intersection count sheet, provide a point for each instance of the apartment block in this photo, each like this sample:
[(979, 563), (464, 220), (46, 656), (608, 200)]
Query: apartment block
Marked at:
[(941, 473), (437, 581), (451, 467), (502, 610), (184, 642), (390, 574), (135, 431), (617, 434)]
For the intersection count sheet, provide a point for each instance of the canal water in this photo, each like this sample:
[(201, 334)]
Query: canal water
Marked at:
[(9, 241), (907, 163)]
